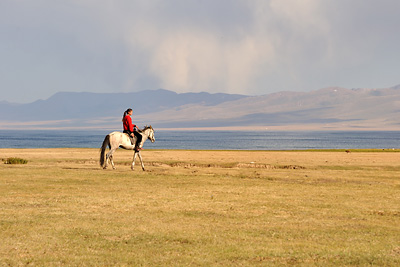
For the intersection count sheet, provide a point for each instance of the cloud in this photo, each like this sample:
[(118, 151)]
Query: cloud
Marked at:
[(240, 46), (198, 60)]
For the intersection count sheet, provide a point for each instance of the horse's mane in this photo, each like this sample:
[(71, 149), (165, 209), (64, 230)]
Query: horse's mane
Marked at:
[(145, 128)]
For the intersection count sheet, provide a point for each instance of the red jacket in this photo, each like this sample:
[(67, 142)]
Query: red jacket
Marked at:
[(128, 125)]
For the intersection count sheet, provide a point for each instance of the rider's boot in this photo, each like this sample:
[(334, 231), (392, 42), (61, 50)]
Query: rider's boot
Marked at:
[(137, 147)]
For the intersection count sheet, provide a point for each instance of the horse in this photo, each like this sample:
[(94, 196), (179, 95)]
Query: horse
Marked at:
[(115, 140)]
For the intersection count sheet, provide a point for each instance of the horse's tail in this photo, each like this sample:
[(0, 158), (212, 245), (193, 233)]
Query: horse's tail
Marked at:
[(106, 143)]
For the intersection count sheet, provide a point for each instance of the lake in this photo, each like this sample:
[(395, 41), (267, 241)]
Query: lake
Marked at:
[(211, 140)]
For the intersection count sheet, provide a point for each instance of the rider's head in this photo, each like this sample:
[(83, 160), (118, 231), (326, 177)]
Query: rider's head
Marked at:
[(129, 112)]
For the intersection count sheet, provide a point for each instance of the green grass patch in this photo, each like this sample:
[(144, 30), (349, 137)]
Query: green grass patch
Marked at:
[(15, 161)]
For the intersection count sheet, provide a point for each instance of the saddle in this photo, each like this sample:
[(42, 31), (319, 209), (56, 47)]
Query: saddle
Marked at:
[(133, 139)]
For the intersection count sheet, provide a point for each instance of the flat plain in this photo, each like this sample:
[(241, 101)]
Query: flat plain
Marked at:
[(203, 208)]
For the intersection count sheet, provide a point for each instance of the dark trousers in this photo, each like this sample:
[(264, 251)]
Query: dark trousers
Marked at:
[(137, 135), (138, 138)]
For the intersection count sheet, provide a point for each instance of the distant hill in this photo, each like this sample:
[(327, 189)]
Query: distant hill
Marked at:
[(71, 109), (329, 108)]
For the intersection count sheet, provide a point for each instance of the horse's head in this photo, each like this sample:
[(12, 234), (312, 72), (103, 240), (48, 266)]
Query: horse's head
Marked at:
[(150, 133)]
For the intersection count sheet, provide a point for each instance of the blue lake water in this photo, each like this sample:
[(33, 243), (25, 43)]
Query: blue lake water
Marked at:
[(210, 140)]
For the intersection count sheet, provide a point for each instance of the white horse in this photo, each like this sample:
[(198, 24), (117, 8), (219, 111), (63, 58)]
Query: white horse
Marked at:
[(115, 140)]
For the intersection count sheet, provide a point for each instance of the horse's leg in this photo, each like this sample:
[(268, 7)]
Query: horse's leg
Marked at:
[(106, 163), (133, 161), (112, 162), (110, 157), (141, 160)]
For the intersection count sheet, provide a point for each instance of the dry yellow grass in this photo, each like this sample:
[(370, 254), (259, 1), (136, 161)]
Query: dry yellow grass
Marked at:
[(200, 208)]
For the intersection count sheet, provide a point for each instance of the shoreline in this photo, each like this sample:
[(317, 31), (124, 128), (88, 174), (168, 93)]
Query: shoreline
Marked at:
[(334, 150)]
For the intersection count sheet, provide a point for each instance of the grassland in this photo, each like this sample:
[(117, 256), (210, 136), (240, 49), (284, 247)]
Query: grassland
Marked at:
[(201, 208)]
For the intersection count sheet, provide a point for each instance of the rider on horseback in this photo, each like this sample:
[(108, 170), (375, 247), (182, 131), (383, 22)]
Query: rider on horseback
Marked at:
[(129, 128)]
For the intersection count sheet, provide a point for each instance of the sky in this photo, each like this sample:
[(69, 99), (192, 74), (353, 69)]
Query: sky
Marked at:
[(251, 47)]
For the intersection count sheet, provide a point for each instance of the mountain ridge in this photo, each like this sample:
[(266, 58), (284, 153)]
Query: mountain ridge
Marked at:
[(327, 108), (72, 105)]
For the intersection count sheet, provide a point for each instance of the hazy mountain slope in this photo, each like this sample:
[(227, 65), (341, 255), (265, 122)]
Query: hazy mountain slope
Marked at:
[(326, 106), (62, 106), (336, 108)]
